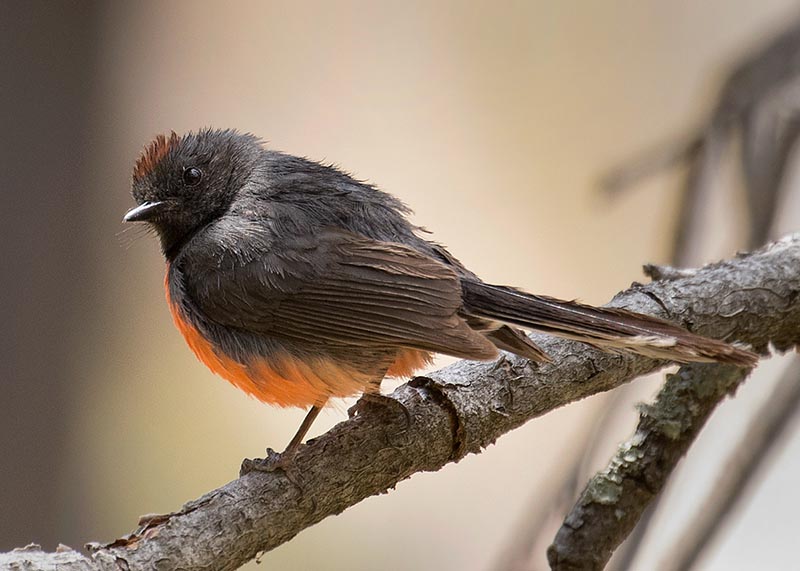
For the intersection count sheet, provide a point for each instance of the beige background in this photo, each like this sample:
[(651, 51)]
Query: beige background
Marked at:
[(493, 121)]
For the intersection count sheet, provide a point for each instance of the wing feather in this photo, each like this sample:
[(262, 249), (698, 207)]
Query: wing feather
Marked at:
[(342, 290)]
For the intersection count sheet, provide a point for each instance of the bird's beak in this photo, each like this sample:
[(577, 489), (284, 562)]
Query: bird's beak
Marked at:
[(144, 212)]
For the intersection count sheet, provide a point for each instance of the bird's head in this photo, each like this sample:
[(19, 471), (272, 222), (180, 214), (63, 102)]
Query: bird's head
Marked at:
[(182, 183)]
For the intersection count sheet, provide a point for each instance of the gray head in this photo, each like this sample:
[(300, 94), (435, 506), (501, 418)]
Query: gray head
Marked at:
[(181, 184)]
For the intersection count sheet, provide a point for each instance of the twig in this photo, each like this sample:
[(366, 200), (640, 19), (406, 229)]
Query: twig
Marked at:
[(769, 137), (753, 81), (762, 435), (648, 163), (459, 410), (614, 500)]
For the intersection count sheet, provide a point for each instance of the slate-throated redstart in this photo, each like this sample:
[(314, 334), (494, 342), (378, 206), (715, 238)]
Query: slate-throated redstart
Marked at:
[(298, 283)]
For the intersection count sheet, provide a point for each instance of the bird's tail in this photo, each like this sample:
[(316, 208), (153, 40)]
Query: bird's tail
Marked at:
[(605, 328)]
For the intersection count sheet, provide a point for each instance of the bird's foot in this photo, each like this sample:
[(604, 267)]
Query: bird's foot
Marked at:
[(368, 400), (274, 461)]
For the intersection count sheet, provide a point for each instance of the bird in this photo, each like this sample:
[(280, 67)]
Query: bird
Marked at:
[(298, 283)]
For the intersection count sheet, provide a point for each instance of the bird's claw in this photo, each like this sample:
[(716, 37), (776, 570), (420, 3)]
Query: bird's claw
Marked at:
[(377, 399), (272, 462)]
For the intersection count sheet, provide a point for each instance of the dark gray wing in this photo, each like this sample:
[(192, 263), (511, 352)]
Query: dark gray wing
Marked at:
[(340, 289)]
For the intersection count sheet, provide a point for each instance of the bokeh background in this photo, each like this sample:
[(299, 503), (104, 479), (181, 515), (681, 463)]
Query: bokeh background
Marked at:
[(493, 120)]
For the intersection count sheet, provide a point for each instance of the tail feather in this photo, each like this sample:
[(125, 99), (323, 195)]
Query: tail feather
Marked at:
[(606, 328), (515, 341)]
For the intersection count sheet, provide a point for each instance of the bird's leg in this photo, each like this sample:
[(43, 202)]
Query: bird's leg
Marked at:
[(297, 439), (282, 460)]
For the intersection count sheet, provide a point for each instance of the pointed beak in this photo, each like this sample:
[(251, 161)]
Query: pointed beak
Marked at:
[(144, 212)]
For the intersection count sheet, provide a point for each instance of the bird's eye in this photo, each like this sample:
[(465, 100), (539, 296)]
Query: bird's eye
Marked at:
[(192, 176)]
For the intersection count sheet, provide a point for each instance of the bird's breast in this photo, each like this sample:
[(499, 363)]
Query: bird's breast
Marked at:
[(279, 378)]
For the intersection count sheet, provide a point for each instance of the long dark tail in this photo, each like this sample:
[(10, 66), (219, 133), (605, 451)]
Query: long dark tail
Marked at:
[(604, 328)]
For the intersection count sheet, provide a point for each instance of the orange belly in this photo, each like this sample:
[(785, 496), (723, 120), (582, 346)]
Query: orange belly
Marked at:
[(408, 362), (286, 380)]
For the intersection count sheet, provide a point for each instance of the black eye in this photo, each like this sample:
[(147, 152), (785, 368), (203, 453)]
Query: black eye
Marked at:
[(192, 176)]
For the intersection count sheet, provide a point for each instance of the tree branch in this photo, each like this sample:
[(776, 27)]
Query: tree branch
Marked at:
[(458, 410), (760, 439), (615, 499)]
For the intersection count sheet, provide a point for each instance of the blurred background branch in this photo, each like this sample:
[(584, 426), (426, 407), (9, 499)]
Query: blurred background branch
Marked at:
[(759, 102)]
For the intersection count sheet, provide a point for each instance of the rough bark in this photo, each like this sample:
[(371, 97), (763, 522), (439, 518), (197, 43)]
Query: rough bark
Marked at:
[(615, 499), (458, 410), (766, 431)]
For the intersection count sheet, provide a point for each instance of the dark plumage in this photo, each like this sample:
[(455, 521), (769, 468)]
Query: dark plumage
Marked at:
[(298, 283)]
